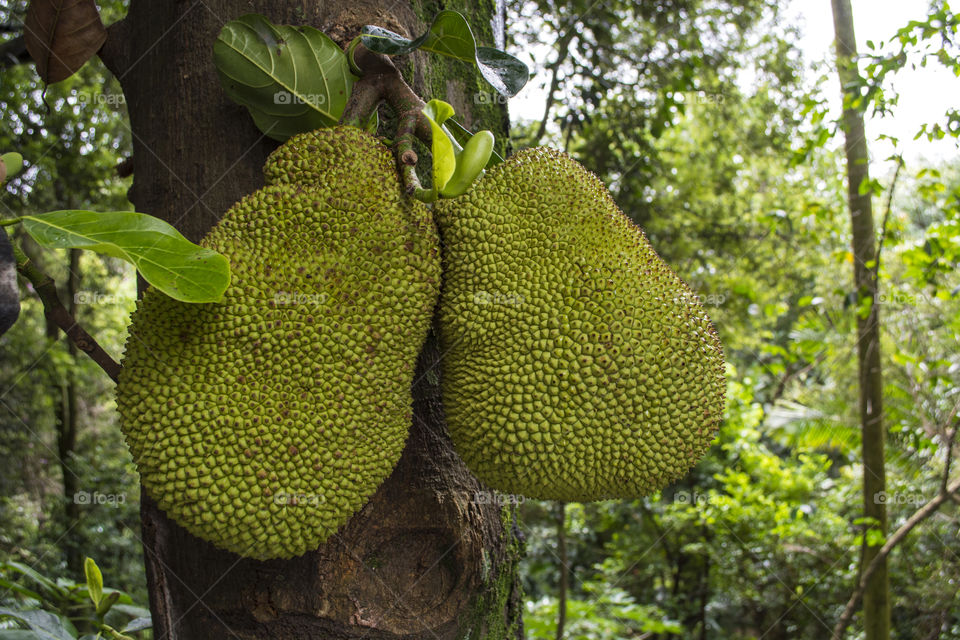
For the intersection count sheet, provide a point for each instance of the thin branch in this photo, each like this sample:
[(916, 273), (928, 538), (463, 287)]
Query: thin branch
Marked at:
[(950, 439), (950, 492), (563, 50), (46, 290), (886, 219)]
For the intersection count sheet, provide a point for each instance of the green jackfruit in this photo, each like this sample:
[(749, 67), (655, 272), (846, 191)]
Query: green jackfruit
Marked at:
[(263, 422), (576, 365)]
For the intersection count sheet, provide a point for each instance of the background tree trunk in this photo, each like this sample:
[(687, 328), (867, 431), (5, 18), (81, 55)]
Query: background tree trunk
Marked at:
[(65, 388), (422, 559), (876, 598), (564, 569)]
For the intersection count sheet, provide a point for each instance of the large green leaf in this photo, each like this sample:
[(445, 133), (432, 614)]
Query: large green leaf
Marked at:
[(450, 35), (292, 79), (164, 258), (44, 624)]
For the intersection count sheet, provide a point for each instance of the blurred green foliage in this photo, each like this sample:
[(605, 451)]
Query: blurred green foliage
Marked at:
[(712, 136)]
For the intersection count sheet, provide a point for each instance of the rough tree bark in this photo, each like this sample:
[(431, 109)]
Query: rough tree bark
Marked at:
[(876, 598), (423, 559)]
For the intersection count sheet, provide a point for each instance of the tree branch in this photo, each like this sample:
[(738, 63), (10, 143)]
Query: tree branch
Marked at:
[(115, 52), (563, 50), (53, 308), (381, 81), (949, 492), (950, 439), (886, 218)]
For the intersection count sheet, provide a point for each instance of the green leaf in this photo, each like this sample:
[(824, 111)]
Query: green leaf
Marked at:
[(461, 135), (94, 580), (44, 624), (470, 164), (107, 602), (450, 35), (10, 165), (7, 585), (138, 624), (292, 79), (130, 610), (444, 157), (875, 538), (166, 259), (53, 590), (19, 634)]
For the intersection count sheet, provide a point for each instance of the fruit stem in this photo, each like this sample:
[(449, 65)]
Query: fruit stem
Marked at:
[(380, 81)]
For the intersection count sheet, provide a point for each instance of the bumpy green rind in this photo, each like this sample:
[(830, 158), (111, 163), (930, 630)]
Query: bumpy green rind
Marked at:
[(577, 365), (262, 423)]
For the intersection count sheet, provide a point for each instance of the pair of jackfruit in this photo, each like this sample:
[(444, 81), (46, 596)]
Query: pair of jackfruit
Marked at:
[(576, 365)]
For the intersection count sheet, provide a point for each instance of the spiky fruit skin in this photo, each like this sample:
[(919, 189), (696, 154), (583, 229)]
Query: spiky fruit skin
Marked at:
[(263, 422), (577, 365)]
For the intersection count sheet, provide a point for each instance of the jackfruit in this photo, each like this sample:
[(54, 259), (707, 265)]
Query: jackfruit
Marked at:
[(576, 364), (263, 422)]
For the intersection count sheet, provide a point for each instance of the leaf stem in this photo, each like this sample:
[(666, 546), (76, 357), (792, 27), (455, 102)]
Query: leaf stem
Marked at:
[(10, 222), (351, 48), (46, 290)]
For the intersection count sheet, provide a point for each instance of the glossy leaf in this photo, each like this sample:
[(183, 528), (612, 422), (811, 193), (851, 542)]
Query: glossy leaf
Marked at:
[(470, 164), (291, 79), (461, 135), (450, 35), (165, 259), (444, 155)]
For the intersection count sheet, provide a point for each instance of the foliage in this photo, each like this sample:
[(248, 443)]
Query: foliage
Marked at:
[(699, 117), (45, 608), (610, 614), (741, 191), (71, 153)]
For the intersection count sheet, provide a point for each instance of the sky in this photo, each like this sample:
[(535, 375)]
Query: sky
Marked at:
[(925, 94)]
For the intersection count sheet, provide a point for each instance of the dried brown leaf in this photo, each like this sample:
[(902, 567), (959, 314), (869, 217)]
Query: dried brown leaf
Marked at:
[(61, 35)]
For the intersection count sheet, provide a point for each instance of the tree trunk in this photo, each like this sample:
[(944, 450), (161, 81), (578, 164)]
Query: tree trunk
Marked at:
[(422, 559), (876, 600), (66, 420), (63, 390), (564, 569)]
